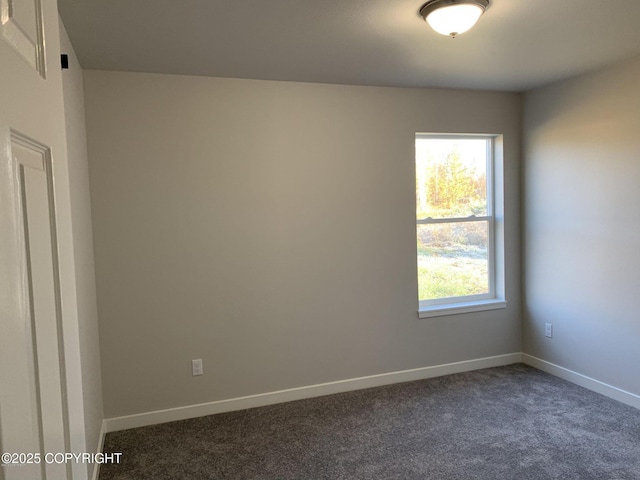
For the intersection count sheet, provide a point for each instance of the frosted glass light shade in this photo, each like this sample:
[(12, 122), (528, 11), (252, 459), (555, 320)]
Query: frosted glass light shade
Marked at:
[(454, 19)]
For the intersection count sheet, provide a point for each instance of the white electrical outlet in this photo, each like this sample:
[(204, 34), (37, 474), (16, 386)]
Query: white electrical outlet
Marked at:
[(196, 367), (548, 330)]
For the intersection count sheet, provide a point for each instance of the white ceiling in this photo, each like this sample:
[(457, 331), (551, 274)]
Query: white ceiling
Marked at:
[(517, 44)]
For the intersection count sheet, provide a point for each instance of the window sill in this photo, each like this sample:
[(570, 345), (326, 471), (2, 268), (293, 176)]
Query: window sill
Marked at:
[(462, 307)]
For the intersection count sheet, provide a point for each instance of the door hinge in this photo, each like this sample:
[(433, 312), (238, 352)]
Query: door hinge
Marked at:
[(64, 61)]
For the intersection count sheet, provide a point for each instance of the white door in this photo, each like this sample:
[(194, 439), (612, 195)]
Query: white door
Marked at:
[(32, 393)]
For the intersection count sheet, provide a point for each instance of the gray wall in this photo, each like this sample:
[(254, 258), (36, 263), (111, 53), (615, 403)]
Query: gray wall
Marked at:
[(269, 228), (582, 224), (73, 93)]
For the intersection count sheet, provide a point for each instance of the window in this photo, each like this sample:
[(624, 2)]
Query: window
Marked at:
[(459, 244)]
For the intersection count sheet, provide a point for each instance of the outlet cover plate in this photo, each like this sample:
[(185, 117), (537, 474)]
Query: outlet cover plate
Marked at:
[(196, 367)]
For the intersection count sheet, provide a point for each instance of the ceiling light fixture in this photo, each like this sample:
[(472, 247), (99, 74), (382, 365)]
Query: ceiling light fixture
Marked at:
[(453, 17)]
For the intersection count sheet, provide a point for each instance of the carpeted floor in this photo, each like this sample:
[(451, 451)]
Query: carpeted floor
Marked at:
[(511, 423)]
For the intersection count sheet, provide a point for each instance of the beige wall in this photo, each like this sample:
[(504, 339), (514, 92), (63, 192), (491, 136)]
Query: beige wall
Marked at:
[(582, 224), (80, 203), (269, 228)]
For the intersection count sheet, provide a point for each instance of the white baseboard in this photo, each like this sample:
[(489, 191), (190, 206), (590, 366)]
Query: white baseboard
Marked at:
[(270, 398), (587, 382), (99, 449)]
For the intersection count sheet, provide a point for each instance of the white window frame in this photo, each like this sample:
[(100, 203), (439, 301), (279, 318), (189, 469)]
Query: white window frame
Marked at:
[(495, 298)]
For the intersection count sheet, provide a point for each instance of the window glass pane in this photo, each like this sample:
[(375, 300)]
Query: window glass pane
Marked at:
[(453, 259), (451, 177)]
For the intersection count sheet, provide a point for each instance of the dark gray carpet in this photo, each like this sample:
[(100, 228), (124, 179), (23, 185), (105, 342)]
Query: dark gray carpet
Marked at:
[(507, 423)]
